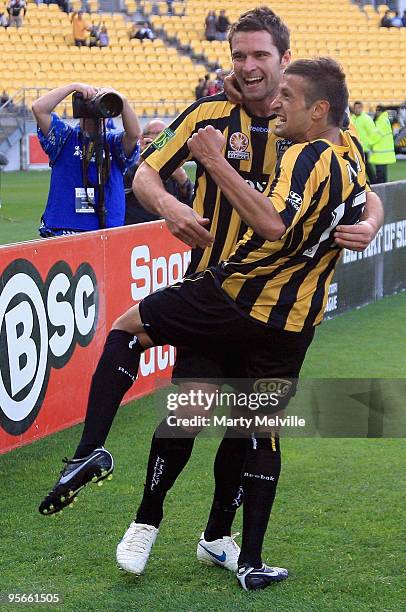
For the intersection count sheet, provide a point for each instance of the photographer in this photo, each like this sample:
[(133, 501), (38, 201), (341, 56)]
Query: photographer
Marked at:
[(78, 199)]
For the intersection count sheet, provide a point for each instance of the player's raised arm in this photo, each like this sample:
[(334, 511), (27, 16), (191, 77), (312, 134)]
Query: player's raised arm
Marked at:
[(253, 207)]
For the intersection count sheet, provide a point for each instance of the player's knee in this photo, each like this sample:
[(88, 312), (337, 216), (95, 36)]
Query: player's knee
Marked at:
[(131, 323)]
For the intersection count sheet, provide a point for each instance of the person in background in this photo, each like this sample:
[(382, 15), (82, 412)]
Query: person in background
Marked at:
[(144, 32), (386, 21), (210, 26), (177, 185), (383, 146), (73, 200), (14, 9), (104, 40), (4, 98), (3, 20), (364, 124), (211, 88), (201, 89), (222, 26), (80, 29), (397, 20)]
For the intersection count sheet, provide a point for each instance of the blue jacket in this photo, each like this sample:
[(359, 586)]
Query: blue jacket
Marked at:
[(67, 208)]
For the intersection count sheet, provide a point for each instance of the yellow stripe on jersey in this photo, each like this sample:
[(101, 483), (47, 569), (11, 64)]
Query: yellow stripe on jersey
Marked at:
[(284, 283), (252, 149)]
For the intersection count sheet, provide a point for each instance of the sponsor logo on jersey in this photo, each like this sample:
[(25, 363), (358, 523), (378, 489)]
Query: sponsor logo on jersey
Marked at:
[(163, 138), (259, 129), (294, 199), (281, 146)]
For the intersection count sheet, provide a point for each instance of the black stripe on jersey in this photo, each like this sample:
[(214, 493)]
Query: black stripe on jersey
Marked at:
[(359, 147), (292, 241), (234, 122), (259, 141), (223, 222), (303, 167), (298, 230), (318, 296), (287, 296), (242, 230), (174, 162), (169, 168), (220, 97), (325, 218), (252, 288)]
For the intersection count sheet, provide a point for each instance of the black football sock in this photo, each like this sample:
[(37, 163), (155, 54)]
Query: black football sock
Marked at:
[(228, 492), (260, 478), (170, 451), (115, 373)]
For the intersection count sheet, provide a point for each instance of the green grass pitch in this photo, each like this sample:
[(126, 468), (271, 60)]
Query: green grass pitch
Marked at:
[(337, 517), (24, 195)]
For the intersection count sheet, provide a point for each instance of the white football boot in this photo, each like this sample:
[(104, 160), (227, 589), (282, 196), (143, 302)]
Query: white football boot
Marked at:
[(135, 547), (223, 552)]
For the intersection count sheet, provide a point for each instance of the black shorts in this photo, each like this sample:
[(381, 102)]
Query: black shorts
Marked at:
[(214, 340)]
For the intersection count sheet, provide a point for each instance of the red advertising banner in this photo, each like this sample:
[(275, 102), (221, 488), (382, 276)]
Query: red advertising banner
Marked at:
[(58, 299), (36, 154)]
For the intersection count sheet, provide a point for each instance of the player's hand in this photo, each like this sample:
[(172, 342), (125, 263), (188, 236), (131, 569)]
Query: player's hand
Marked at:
[(207, 145), (88, 91), (232, 89), (187, 225), (355, 237)]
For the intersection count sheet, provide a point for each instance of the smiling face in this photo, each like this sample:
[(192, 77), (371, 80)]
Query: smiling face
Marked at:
[(257, 65), (295, 119)]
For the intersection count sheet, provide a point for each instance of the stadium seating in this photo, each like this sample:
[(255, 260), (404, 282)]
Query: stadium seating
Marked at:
[(158, 79), (372, 57)]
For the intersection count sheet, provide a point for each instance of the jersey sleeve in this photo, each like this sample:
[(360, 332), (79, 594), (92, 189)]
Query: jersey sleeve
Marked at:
[(54, 141), (296, 181), (169, 150)]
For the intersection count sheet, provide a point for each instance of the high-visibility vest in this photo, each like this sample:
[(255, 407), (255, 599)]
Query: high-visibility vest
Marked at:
[(365, 127), (383, 149)]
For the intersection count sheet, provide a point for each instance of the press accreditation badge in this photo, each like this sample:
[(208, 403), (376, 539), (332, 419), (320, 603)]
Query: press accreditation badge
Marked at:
[(82, 202)]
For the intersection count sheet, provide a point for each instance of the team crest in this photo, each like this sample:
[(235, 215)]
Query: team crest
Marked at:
[(239, 144)]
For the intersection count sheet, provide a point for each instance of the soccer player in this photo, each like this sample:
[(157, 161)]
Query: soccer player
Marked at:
[(264, 301), (252, 151)]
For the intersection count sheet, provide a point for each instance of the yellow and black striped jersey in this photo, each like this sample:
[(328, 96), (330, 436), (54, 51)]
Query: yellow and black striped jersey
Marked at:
[(284, 283), (252, 150)]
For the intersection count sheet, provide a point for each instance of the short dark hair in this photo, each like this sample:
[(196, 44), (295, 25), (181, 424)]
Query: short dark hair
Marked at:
[(259, 19), (325, 81), (358, 102)]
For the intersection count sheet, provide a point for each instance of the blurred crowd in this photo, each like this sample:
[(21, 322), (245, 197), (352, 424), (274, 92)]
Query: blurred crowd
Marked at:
[(394, 20), (216, 27)]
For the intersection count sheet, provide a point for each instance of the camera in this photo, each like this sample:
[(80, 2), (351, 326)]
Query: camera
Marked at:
[(101, 106)]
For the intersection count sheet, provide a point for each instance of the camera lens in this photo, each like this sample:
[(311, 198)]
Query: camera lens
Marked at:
[(110, 105)]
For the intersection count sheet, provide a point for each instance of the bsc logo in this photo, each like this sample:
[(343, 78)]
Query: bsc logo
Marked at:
[(40, 324)]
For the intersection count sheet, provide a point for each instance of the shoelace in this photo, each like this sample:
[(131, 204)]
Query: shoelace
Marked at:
[(138, 537), (232, 539)]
